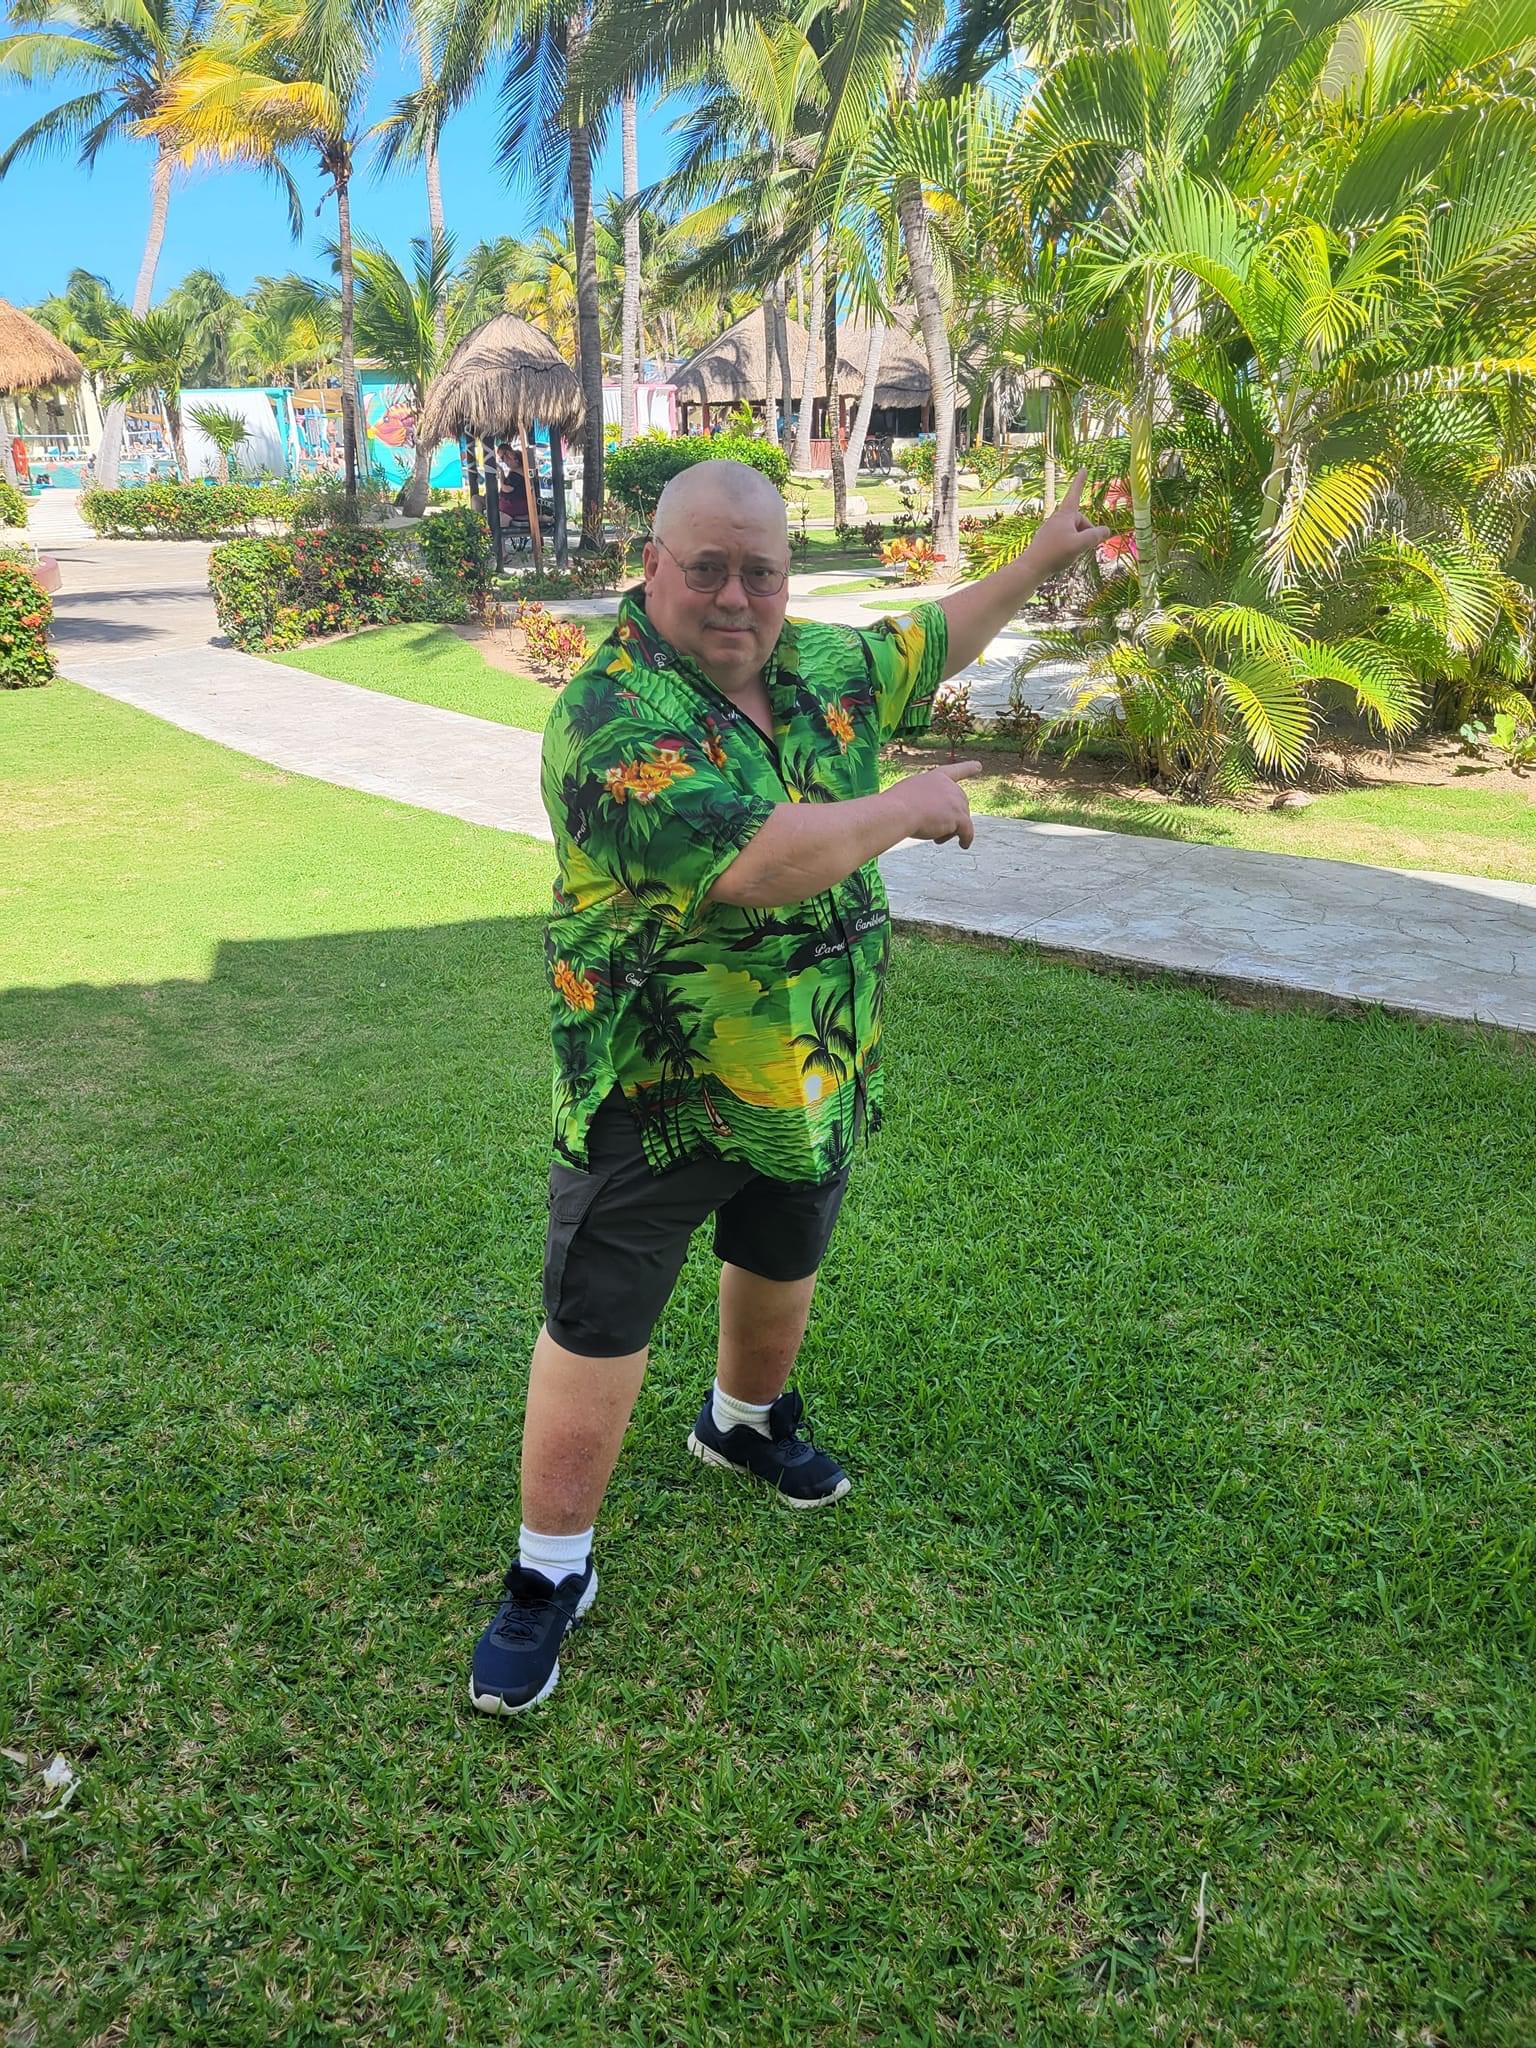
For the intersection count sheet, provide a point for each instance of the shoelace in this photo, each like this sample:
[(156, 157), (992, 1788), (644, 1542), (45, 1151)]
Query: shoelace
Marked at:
[(521, 1618)]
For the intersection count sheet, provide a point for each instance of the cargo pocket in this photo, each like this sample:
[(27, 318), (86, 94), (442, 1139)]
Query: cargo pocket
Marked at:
[(571, 1195)]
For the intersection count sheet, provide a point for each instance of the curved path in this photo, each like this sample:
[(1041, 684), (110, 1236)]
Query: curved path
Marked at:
[(135, 622)]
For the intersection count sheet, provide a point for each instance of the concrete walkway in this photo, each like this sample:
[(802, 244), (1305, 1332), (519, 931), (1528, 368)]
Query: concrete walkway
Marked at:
[(135, 622)]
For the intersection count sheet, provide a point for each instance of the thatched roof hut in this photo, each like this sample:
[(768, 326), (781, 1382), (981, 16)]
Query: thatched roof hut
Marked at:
[(734, 369), (31, 359), (505, 374)]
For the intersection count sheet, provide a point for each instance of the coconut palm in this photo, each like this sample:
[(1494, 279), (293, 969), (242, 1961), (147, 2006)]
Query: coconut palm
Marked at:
[(410, 323), (84, 316), (549, 137), (155, 353), (281, 76), (131, 56), (214, 312)]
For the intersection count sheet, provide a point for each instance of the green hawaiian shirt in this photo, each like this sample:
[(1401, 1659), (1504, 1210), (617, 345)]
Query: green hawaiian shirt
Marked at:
[(740, 1034)]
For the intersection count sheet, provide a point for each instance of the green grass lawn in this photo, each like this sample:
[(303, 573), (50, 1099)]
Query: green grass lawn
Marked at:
[(1181, 1355), (430, 665)]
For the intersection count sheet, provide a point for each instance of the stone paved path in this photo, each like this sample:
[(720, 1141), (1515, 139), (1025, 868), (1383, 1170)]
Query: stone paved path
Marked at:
[(134, 621)]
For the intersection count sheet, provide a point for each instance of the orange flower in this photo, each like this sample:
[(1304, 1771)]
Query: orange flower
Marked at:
[(714, 751), (839, 724), (577, 989), (645, 780)]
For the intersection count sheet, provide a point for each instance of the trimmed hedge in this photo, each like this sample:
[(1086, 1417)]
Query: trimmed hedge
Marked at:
[(188, 511), (638, 473), (272, 593), (26, 610)]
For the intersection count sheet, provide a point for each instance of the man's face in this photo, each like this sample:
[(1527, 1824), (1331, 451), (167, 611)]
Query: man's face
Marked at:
[(729, 632)]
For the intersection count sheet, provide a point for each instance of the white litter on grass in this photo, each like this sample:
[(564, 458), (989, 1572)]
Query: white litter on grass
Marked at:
[(60, 1778)]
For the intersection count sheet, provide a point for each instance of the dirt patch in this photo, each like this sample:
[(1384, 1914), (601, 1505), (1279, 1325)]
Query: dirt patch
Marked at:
[(498, 648)]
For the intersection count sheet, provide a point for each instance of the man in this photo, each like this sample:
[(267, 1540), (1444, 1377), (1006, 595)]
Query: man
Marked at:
[(716, 957)]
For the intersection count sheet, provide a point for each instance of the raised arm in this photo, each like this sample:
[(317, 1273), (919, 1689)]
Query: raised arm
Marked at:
[(979, 612)]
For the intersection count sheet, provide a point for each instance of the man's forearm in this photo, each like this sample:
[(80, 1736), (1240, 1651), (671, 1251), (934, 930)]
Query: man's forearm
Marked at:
[(979, 612), (806, 848)]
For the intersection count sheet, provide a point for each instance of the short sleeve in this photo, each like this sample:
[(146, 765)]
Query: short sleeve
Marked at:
[(907, 665), (650, 810)]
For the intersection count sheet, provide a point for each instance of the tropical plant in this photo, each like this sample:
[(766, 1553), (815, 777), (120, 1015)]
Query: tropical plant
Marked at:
[(544, 130), (133, 56), (279, 76), (227, 430), (155, 353), (13, 507)]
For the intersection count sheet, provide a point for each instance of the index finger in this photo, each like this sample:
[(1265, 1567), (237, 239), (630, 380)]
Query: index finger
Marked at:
[(1074, 495), (959, 771)]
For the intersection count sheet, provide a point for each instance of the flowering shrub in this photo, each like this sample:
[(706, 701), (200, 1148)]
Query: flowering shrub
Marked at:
[(25, 612), (916, 559), (189, 511), (275, 593), (13, 506), (558, 646)]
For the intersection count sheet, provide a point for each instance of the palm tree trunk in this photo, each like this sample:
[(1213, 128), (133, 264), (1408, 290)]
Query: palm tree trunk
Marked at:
[(770, 357), (808, 376), (834, 396), (435, 229), (178, 440), (629, 339), (341, 172), (589, 334), (941, 374), (786, 371), (855, 454), (419, 489), (110, 455)]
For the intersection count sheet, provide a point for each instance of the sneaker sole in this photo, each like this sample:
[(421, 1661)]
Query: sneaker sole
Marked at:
[(497, 1703), (791, 1500)]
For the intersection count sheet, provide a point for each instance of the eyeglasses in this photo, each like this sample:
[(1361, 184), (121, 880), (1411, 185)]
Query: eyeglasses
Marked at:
[(711, 576)]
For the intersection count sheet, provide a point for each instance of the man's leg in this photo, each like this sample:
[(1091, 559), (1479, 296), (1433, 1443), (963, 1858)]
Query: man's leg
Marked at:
[(578, 1410), (748, 1422), (762, 1324)]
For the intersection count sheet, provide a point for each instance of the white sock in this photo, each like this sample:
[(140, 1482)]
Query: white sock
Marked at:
[(729, 1413), (555, 1557)]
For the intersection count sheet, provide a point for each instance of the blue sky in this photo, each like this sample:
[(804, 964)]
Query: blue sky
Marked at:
[(54, 216)]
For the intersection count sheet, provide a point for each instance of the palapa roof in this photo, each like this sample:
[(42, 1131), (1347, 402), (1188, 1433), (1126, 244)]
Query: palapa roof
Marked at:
[(505, 373), (32, 359), (734, 368)]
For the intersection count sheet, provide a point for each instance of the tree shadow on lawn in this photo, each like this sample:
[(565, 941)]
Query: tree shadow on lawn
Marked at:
[(1180, 1373)]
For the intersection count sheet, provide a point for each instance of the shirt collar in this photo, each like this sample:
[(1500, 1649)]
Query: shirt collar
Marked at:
[(641, 641)]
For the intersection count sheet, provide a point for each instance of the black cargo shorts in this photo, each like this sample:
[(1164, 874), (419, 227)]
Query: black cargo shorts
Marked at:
[(618, 1233)]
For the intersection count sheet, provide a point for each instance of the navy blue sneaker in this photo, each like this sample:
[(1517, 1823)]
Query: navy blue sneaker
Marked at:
[(517, 1659), (801, 1475)]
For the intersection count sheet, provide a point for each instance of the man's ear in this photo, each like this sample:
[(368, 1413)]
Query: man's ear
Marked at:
[(650, 556)]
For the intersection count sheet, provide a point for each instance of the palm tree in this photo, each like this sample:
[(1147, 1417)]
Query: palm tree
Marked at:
[(133, 56), (409, 325), (544, 128), (155, 352), (214, 311), (282, 76), (84, 316), (629, 346), (227, 431)]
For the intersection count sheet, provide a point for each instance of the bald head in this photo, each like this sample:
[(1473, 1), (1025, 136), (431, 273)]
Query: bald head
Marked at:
[(715, 490), (723, 525)]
